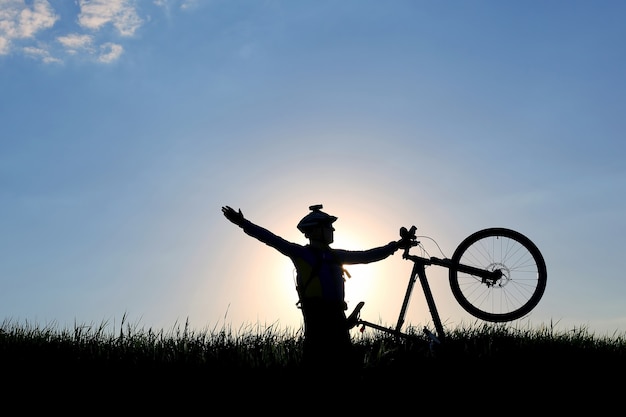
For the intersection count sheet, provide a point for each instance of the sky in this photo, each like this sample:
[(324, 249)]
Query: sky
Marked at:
[(125, 126)]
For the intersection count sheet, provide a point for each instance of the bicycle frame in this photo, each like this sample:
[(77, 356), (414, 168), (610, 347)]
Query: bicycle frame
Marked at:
[(419, 271)]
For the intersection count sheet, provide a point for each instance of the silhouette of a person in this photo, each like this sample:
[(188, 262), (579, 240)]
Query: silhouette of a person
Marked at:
[(320, 283)]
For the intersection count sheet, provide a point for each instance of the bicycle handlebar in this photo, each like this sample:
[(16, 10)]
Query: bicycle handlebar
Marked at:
[(408, 234)]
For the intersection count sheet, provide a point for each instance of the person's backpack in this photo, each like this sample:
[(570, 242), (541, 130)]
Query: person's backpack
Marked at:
[(310, 286)]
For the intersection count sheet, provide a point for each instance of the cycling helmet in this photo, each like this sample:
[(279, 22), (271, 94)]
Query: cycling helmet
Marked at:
[(315, 218)]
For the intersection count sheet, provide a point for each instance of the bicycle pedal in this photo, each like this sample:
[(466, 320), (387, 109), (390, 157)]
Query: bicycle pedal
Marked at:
[(354, 316)]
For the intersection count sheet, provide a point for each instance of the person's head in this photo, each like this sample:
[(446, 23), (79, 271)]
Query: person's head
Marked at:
[(317, 226)]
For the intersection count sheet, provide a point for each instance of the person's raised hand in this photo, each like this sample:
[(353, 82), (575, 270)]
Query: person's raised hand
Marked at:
[(235, 216)]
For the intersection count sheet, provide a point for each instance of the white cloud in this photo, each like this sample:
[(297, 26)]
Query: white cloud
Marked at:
[(111, 52), (188, 4), (21, 21), (4, 46), (40, 17), (182, 4), (41, 54), (94, 14), (76, 42), (23, 25)]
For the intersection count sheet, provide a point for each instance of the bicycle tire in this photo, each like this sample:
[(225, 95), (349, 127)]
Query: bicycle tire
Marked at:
[(515, 294)]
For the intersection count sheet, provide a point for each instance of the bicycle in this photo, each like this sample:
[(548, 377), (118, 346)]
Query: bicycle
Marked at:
[(495, 274)]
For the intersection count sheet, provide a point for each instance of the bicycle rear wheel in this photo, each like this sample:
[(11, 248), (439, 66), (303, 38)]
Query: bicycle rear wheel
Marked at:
[(523, 280)]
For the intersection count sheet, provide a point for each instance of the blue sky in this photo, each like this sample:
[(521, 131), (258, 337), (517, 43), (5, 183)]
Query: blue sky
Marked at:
[(126, 125)]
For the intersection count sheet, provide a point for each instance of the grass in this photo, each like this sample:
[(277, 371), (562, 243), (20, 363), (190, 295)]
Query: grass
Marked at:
[(131, 346), (269, 347), (487, 359)]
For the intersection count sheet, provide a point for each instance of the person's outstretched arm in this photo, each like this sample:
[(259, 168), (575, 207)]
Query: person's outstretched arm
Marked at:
[(407, 240), (260, 233)]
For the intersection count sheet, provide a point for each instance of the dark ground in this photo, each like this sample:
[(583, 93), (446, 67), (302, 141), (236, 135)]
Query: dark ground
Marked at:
[(564, 382)]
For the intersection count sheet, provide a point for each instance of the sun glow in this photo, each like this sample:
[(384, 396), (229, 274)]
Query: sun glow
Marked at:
[(367, 282), (262, 286)]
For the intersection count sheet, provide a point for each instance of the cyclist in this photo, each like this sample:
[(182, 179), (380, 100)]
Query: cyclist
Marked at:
[(320, 282)]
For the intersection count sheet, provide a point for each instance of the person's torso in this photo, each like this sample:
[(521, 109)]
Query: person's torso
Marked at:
[(320, 276)]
